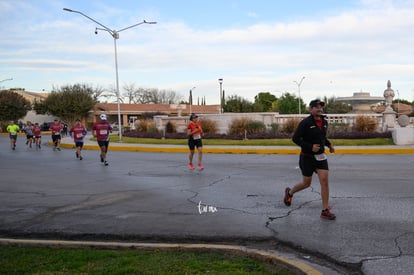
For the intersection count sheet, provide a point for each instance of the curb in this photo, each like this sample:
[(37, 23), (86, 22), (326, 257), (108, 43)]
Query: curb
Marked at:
[(240, 150), (291, 264)]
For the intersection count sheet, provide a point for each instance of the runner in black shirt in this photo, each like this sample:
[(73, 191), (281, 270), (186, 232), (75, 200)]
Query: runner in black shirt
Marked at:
[(310, 135)]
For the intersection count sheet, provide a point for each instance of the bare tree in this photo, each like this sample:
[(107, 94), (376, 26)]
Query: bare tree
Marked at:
[(110, 95), (130, 92), (150, 95), (98, 92), (169, 97)]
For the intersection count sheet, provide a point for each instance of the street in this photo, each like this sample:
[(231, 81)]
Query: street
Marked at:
[(237, 199)]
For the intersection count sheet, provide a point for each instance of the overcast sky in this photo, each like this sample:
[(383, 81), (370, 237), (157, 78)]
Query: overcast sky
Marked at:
[(339, 46)]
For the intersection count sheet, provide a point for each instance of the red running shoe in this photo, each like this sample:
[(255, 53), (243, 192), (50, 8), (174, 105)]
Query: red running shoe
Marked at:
[(328, 215), (288, 198)]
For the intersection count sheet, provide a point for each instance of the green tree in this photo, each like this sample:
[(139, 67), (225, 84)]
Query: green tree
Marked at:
[(289, 104), (335, 107), (13, 106), (265, 101), (237, 104), (68, 102)]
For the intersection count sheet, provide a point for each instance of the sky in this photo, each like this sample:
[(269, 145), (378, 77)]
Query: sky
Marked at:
[(338, 47)]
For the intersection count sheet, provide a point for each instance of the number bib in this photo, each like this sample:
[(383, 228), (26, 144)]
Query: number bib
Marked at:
[(320, 157), (197, 136)]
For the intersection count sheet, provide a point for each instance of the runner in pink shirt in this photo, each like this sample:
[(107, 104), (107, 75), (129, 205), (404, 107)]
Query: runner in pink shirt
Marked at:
[(56, 129), (78, 132), (101, 131), (37, 134)]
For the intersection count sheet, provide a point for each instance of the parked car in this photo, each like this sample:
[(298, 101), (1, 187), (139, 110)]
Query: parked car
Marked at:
[(45, 126), (115, 126)]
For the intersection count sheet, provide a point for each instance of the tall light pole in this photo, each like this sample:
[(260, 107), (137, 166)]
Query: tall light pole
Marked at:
[(221, 94), (7, 79), (115, 35), (299, 83), (190, 99)]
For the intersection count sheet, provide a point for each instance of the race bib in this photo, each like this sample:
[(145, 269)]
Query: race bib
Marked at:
[(197, 136), (321, 157), (80, 135), (103, 132)]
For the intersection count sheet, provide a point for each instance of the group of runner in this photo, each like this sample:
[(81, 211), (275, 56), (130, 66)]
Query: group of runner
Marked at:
[(310, 135), (78, 131), (33, 134)]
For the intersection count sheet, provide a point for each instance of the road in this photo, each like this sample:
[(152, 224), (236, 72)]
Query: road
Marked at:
[(237, 199)]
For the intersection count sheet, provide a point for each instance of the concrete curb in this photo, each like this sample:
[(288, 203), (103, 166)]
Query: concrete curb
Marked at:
[(291, 264), (288, 150)]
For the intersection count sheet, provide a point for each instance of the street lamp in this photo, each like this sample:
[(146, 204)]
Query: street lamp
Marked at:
[(115, 35), (300, 83), (7, 79), (221, 95), (191, 98)]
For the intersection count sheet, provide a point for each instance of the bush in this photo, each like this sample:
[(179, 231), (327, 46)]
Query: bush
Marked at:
[(170, 127), (145, 126), (348, 135), (365, 124), (274, 128), (339, 128), (290, 126), (209, 126), (361, 135), (255, 127), (238, 126)]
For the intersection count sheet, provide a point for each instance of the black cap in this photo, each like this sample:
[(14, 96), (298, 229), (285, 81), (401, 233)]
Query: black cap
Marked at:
[(316, 102), (193, 116)]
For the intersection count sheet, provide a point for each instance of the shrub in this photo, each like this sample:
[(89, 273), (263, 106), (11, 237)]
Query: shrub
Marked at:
[(255, 127), (335, 128), (145, 126), (274, 128), (209, 126), (170, 127), (238, 126), (361, 135), (365, 124), (290, 125)]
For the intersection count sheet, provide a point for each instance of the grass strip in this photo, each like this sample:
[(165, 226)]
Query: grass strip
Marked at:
[(46, 260), (253, 142)]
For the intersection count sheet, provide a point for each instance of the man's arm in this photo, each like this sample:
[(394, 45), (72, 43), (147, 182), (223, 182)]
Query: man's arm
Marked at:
[(298, 137)]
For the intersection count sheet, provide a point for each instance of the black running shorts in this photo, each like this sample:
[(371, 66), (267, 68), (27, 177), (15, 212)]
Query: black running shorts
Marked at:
[(79, 144), (308, 165), (55, 138), (193, 143)]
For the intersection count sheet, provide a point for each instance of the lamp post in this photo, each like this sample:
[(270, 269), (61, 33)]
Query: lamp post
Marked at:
[(221, 95), (190, 99), (7, 79), (115, 35), (299, 83)]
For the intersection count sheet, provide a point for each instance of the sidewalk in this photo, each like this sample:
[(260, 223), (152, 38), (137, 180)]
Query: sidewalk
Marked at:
[(67, 142)]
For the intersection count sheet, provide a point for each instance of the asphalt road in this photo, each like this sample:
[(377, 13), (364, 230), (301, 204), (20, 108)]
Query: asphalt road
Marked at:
[(237, 199)]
